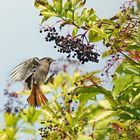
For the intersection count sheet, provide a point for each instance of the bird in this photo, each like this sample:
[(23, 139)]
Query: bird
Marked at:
[(33, 72)]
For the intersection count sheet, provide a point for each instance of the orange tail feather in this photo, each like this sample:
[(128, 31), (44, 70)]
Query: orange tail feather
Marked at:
[(36, 98)]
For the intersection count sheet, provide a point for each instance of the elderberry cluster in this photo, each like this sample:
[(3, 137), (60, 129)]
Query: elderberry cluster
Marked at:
[(73, 46), (13, 104), (50, 126)]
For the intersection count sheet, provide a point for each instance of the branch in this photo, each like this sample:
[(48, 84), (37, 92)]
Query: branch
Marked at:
[(129, 58), (51, 76)]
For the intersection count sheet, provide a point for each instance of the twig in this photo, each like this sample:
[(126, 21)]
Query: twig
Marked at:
[(129, 58), (51, 76)]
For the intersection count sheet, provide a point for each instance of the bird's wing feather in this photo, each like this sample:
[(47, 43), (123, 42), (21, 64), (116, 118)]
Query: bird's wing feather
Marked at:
[(25, 69)]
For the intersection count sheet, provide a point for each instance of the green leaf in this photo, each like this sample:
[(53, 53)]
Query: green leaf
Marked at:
[(30, 115), (133, 111), (95, 35), (105, 104), (125, 116), (84, 137), (127, 66), (121, 84), (47, 15), (132, 47), (75, 3), (87, 96), (104, 123), (101, 114), (81, 4), (106, 53), (57, 81), (48, 112), (74, 32), (136, 99), (69, 14), (11, 133), (92, 15), (58, 5), (85, 14), (69, 118), (92, 92), (56, 105), (28, 130), (11, 120), (41, 4), (67, 5)]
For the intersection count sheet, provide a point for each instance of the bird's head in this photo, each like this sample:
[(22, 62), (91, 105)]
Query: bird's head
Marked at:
[(47, 60)]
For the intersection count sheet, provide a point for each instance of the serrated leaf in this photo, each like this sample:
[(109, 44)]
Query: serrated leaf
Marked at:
[(69, 14), (85, 14), (75, 3), (125, 116), (101, 115), (81, 4), (105, 104), (58, 5), (10, 119), (67, 5), (47, 15), (74, 32), (93, 36), (96, 34)]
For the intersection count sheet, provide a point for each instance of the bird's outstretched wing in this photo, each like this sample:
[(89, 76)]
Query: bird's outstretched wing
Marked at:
[(22, 71)]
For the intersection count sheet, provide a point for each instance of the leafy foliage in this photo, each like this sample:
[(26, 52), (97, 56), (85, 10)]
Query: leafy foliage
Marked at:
[(79, 106)]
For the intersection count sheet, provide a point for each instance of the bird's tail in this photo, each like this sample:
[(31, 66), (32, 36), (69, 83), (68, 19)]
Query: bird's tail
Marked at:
[(36, 98)]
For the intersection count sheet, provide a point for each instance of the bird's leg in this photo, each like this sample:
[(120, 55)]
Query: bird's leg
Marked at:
[(51, 76)]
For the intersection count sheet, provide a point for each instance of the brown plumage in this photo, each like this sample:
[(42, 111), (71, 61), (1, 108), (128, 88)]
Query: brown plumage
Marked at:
[(33, 72), (36, 98)]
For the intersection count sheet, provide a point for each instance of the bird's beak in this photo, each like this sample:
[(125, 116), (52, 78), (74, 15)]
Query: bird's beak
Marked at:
[(53, 60)]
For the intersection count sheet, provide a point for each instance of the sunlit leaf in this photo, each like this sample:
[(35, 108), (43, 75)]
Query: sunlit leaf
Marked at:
[(83, 137), (41, 4), (81, 4), (11, 119), (67, 5), (106, 53), (30, 115), (105, 104), (99, 116), (121, 84), (74, 32), (58, 5), (95, 34), (28, 130)]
